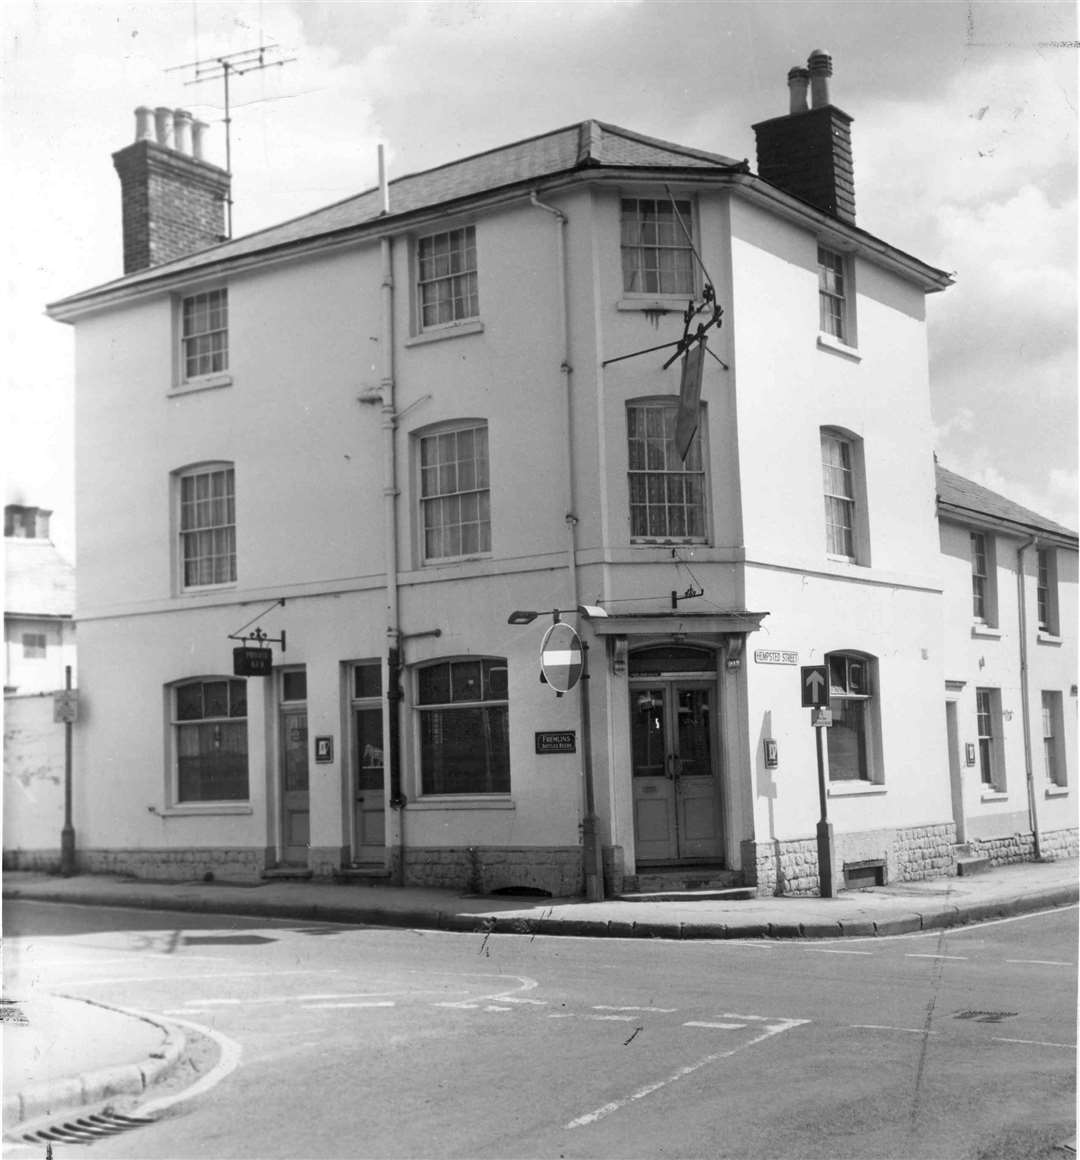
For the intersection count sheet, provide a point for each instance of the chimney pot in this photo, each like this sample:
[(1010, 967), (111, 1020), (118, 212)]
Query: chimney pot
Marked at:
[(820, 67), (144, 123), (163, 120), (182, 125), (798, 80), (198, 139)]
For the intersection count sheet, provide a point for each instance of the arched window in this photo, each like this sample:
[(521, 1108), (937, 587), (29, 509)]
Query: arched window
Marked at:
[(463, 715)]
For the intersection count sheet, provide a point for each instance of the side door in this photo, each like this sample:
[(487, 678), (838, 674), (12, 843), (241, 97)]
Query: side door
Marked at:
[(693, 747), (655, 834)]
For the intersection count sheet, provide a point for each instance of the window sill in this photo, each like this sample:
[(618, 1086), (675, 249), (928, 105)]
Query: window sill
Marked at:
[(661, 303), (993, 795), (454, 330), (203, 810), (207, 383), (1056, 791), (462, 802), (1048, 638), (835, 346), (207, 589), (986, 631), (672, 543), (854, 789)]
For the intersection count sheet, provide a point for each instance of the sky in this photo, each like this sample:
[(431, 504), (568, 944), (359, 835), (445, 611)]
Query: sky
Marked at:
[(964, 139)]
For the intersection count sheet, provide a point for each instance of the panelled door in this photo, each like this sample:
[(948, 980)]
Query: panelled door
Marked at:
[(370, 810), (676, 795), (295, 809)]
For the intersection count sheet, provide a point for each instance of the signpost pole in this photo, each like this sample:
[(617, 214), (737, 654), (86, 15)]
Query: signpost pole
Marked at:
[(824, 826), (590, 831), (67, 834)]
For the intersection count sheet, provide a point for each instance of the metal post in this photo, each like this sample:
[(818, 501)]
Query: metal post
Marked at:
[(824, 826), (590, 831), (67, 834)]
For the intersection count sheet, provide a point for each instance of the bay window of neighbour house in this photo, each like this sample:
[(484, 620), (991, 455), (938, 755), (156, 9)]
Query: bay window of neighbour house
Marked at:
[(988, 731), (207, 526), (204, 334), (835, 299), (850, 741), (1052, 732), (1046, 591), (209, 740), (455, 492), (447, 284), (983, 587), (657, 257), (463, 717), (667, 494)]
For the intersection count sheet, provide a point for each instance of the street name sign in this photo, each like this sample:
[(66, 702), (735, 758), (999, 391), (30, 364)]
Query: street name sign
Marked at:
[(815, 686), (775, 656), (561, 657)]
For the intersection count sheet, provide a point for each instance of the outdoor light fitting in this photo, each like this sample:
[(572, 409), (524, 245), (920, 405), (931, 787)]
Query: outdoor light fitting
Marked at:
[(527, 616)]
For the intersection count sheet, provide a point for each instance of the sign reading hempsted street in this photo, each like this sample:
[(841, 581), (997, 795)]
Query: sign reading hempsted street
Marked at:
[(560, 657)]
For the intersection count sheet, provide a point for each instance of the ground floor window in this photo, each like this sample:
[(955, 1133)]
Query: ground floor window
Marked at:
[(209, 725), (1053, 747), (463, 724), (988, 728), (850, 740)]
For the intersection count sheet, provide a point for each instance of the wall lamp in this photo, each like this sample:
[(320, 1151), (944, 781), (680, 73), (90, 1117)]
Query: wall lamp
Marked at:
[(527, 615)]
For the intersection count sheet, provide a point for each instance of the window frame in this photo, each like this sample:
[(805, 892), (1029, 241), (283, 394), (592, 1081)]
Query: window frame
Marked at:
[(687, 208), (857, 530), (836, 307), (982, 552), (38, 650), (668, 406), (419, 281), (486, 705), (1053, 736), (870, 769), (482, 491), (213, 375), (177, 722), (196, 471), (989, 740), (1046, 592)]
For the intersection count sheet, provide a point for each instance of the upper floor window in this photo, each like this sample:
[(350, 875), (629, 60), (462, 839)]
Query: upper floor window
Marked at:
[(33, 646), (1046, 591), (447, 289), (667, 494), (656, 254), (1053, 739), (205, 333), (463, 719), (983, 587), (207, 549), (835, 296), (455, 493), (988, 731), (850, 740), (844, 489), (209, 737)]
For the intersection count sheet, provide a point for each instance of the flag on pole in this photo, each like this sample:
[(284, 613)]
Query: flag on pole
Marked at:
[(690, 397)]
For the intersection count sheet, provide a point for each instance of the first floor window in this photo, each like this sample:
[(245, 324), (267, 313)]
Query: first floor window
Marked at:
[(850, 739), (838, 477), (205, 333), (463, 720), (656, 253), (33, 646), (667, 494), (1053, 742), (210, 740), (1046, 591), (455, 493), (208, 526), (988, 730), (983, 589), (447, 286)]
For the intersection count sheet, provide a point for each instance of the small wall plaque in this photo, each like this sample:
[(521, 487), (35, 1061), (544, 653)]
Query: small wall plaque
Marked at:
[(564, 742), (324, 750)]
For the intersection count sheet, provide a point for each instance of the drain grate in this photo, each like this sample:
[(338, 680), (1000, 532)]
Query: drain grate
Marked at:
[(85, 1129)]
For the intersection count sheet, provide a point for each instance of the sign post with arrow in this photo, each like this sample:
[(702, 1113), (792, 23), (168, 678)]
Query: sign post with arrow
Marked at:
[(815, 697)]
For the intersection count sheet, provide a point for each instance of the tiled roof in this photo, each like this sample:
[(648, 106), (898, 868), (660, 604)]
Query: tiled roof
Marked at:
[(965, 496), (588, 144), (39, 581)]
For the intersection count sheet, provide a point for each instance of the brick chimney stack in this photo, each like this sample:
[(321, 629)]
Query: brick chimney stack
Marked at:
[(173, 199), (808, 152)]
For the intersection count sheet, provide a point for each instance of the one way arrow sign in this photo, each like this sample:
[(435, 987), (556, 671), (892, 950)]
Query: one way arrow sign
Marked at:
[(815, 686)]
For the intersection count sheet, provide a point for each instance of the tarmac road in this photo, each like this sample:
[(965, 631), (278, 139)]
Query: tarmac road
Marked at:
[(360, 1041)]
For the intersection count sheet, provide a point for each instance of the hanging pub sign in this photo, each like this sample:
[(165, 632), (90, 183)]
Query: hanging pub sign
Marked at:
[(252, 662)]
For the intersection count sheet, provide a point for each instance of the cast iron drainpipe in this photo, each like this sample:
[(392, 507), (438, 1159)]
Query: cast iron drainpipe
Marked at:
[(1033, 813)]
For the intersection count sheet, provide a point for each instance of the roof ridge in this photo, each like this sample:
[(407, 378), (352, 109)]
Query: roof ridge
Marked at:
[(673, 146)]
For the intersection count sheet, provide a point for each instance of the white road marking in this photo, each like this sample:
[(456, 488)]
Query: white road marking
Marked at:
[(615, 1105), (534, 1002), (339, 1006), (291, 998), (716, 1026), (1032, 1042), (489, 1007), (911, 955), (594, 1018), (203, 978), (883, 1027), (1041, 962), (830, 951), (658, 1010), (228, 1062)]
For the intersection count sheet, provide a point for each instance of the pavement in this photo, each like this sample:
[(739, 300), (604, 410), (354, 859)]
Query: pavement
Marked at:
[(62, 1053)]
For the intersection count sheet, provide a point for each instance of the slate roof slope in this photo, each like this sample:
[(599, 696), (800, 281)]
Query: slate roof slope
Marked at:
[(960, 497), (38, 580), (587, 144)]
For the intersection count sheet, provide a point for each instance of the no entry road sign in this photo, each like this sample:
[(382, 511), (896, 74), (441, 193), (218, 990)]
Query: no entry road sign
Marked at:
[(561, 657)]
